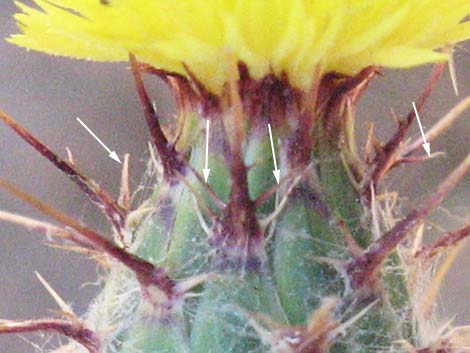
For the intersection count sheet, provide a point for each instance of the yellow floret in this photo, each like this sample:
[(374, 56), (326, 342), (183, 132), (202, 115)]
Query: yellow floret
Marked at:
[(291, 36)]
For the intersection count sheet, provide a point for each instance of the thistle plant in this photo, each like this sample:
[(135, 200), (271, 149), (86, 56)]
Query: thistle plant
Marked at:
[(226, 256)]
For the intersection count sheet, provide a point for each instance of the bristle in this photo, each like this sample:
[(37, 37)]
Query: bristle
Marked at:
[(95, 255), (124, 194), (360, 269), (371, 141), (418, 240), (416, 159), (428, 299), (453, 75), (70, 156), (443, 124), (282, 203), (201, 202), (445, 242), (33, 224), (66, 309), (221, 205), (288, 181), (385, 160), (115, 214), (147, 273)]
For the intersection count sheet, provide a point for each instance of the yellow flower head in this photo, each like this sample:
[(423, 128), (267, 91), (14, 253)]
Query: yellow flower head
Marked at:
[(295, 37)]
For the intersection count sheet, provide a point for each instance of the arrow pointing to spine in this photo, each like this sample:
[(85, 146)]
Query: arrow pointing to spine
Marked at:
[(206, 170), (112, 154), (426, 145), (276, 171)]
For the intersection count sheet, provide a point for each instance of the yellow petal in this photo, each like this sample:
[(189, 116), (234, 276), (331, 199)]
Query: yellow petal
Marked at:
[(281, 36), (403, 57)]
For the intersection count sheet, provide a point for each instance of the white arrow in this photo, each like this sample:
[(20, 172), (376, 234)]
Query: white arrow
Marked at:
[(206, 170), (426, 145), (276, 171), (112, 154)]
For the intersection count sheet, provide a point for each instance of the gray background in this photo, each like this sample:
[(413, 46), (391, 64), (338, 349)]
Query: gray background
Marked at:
[(46, 94)]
